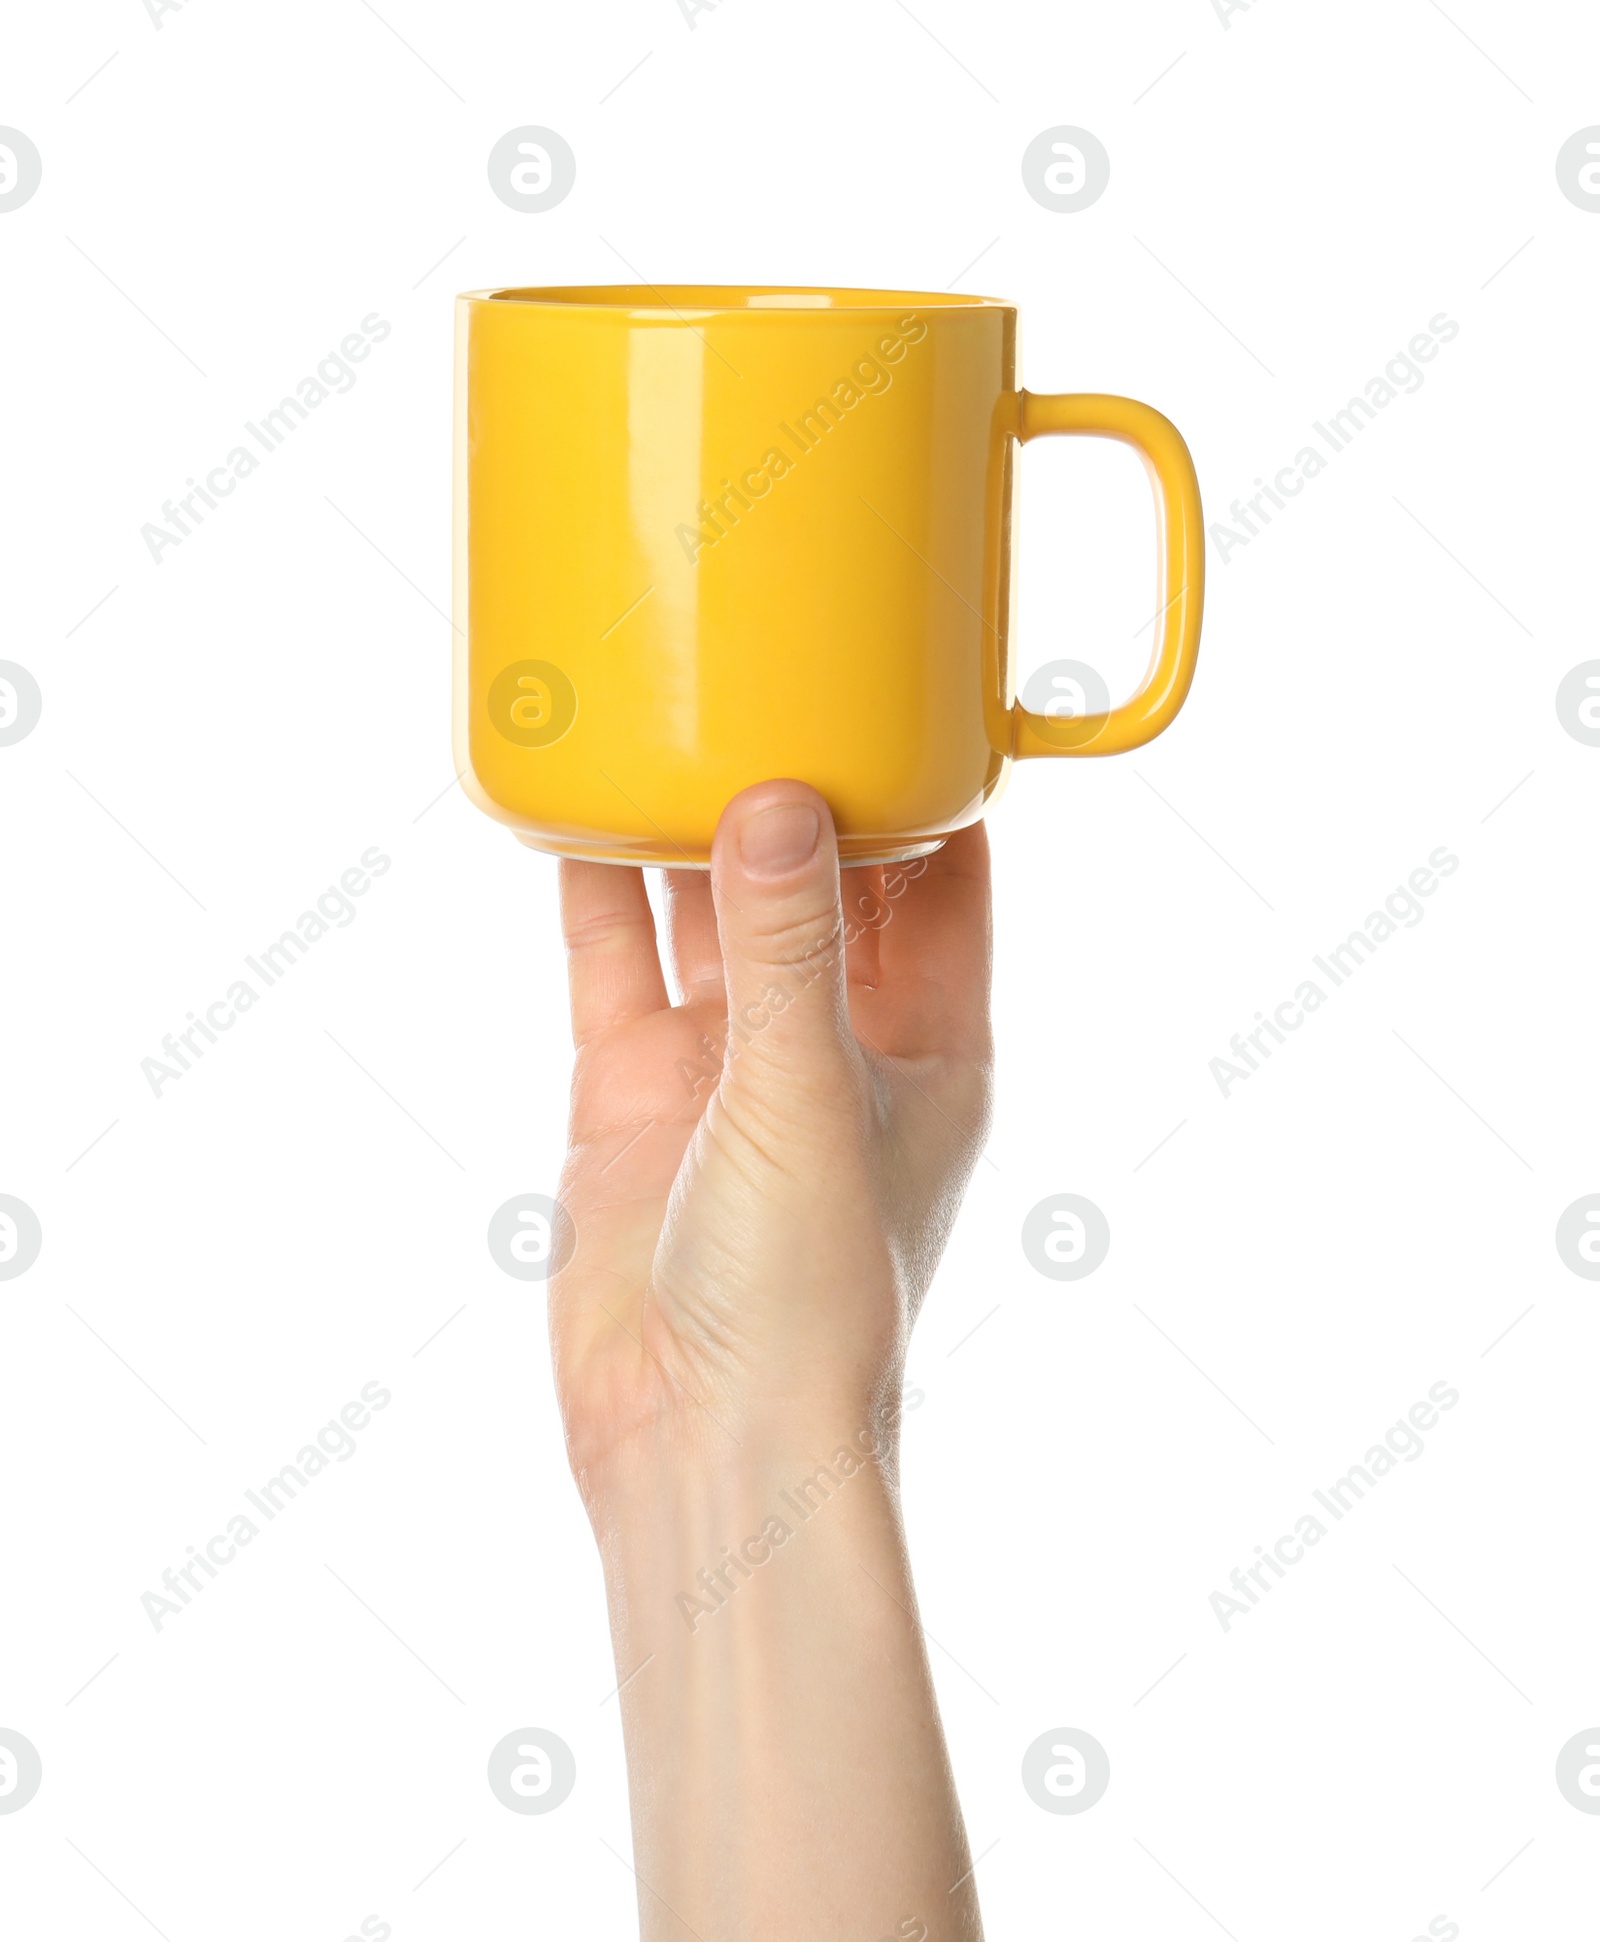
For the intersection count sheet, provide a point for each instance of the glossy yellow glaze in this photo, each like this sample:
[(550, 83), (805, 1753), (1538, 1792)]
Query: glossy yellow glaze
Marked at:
[(707, 536)]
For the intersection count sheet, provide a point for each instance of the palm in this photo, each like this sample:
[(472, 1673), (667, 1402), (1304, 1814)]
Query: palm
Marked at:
[(654, 1180)]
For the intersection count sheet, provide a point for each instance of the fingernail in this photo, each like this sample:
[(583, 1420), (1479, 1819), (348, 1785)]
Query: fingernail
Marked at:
[(777, 840)]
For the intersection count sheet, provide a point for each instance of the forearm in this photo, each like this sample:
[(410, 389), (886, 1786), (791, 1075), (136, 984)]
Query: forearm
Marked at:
[(789, 1776)]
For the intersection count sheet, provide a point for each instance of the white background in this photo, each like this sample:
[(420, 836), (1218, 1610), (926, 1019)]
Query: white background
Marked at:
[(301, 1213)]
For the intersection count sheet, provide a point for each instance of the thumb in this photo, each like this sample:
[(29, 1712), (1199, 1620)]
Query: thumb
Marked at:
[(775, 881)]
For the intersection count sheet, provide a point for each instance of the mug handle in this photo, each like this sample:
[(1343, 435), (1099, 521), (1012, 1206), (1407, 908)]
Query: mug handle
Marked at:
[(1159, 443)]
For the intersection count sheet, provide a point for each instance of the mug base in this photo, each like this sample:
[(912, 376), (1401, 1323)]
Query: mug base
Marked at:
[(855, 852)]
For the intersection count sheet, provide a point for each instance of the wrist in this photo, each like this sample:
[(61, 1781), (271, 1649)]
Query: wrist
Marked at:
[(683, 1536), (731, 1448), (681, 1477)]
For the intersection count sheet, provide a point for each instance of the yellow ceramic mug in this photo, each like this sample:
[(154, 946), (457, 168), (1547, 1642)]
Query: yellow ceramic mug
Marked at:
[(706, 536)]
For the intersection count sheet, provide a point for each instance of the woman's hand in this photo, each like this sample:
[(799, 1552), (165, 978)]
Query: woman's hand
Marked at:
[(760, 1182), (761, 1178)]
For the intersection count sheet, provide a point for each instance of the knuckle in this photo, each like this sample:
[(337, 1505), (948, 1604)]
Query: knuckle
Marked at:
[(799, 941), (599, 933)]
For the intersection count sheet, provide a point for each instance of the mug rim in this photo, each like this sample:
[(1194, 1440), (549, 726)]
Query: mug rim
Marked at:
[(729, 299)]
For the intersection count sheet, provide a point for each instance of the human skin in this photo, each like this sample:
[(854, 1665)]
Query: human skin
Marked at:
[(760, 1180)]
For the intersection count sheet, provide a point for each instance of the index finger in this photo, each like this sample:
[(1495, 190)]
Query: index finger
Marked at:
[(613, 966)]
